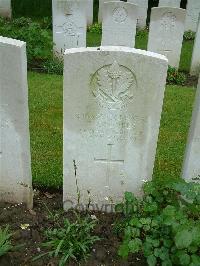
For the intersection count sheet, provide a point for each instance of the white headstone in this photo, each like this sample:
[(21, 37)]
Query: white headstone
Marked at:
[(69, 24), (166, 33), (15, 160), (119, 24), (142, 12), (101, 3), (191, 167), (195, 64), (5, 8), (89, 12), (112, 114), (192, 15), (169, 3)]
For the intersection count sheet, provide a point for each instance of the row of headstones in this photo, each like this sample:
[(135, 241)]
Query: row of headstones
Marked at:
[(119, 29), (167, 26), (192, 14), (6, 8), (193, 10), (113, 99)]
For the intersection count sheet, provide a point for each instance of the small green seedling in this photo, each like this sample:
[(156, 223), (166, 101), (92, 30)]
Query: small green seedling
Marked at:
[(5, 241), (70, 241)]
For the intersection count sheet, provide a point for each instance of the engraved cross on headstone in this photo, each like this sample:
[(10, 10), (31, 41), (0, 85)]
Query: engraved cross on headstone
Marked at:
[(109, 161)]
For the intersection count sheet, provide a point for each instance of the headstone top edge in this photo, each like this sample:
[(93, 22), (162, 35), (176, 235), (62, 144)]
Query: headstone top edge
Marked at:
[(121, 3), (69, 1), (116, 49), (168, 8), (11, 41)]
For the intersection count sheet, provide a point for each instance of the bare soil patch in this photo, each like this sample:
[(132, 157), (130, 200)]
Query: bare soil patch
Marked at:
[(29, 240)]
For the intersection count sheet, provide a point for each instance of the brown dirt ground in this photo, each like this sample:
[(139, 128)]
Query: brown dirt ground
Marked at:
[(103, 253)]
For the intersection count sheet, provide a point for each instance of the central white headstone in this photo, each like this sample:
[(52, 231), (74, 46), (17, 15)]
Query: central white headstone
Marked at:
[(193, 10), (191, 167), (69, 24), (5, 8), (142, 12), (101, 3), (112, 112), (15, 159), (169, 3), (166, 33), (119, 24), (195, 63)]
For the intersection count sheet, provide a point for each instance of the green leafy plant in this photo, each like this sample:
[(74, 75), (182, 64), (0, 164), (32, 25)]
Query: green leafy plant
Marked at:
[(189, 35), (46, 23), (70, 241), (175, 77), (21, 22), (39, 41), (164, 225), (95, 28), (5, 241), (142, 33), (53, 66)]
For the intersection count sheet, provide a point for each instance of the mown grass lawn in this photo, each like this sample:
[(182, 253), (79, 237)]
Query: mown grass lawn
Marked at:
[(45, 101)]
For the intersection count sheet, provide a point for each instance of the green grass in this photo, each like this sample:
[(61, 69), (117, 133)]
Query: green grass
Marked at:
[(45, 94), (141, 40), (186, 55), (174, 127), (93, 39)]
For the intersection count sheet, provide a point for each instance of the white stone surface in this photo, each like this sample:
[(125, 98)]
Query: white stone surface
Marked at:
[(195, 64), (5, 8), (191, 166), (113, 99), (15, 160), (169, 3), (142, 12), (89, 12), (119, 24), (101, 3), (192, 15), (166, 33), (69, 24)]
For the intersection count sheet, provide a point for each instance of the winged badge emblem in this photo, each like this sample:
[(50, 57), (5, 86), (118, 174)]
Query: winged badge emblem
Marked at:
[(114, 83)]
